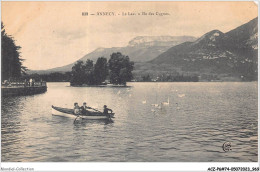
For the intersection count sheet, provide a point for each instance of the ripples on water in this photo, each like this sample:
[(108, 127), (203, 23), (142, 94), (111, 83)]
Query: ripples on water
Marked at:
[(192, 128)]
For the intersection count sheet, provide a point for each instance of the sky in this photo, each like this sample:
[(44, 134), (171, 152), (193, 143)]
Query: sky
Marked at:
[(54, 34)]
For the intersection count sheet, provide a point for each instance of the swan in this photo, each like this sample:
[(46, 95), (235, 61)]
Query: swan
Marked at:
[(166, 103), (181, 95), (158, 106)]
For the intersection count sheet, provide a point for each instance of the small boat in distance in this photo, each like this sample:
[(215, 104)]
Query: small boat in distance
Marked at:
[(70, 113)]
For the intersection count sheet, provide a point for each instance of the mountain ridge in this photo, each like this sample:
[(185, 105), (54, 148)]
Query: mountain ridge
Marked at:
[(230, 54), (233, 53), (146, 49)]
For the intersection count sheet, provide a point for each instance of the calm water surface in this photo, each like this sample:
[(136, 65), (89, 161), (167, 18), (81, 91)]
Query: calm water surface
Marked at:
[(200, 117)]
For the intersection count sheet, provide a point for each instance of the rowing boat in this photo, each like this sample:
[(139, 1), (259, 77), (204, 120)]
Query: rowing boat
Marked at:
[(89, 115)]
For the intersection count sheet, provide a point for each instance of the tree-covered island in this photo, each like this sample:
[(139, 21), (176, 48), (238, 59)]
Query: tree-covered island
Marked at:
[(118, 70)]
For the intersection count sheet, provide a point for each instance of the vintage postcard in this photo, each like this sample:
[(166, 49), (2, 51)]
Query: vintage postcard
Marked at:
[(118, 81)]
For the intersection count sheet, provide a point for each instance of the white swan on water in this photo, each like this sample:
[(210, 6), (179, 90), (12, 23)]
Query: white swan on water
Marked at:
[(158, 106), (155, 105), (181, 95), (166, 103)]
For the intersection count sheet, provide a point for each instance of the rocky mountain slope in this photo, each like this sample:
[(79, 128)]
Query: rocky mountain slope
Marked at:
[(233, 53), (139, 49)]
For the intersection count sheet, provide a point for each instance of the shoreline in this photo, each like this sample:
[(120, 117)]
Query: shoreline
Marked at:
[(22, 91), (108, 85)]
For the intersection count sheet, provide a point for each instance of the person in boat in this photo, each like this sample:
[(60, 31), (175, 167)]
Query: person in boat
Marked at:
[(84, 108), (106, 110), (76, 109)]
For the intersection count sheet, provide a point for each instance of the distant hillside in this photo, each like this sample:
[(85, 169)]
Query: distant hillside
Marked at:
[(139, 49), (232, 53)]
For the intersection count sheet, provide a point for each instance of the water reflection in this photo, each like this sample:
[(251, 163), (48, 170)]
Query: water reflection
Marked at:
[(85, 122), (11, 126)]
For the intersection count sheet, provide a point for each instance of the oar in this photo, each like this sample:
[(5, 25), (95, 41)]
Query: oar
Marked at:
[(95, 109), (109, 117), (75, 119)]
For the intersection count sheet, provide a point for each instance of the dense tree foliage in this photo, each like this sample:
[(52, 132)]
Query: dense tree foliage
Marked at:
[(52, 77), (169, 78), (89, 73), (146, 78), (120, 69), (100, 70), (11, 63), (177, 78), (78, 73), (247, 71)]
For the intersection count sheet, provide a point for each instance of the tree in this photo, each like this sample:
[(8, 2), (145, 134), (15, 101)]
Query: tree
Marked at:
[(120, 69), (83, 73), (146, 78), (78, 73), (89, 72), (100, 70), (51, 77), (11, 63)]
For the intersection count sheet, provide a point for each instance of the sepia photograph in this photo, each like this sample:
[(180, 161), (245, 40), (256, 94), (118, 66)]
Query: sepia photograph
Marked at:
[(129, 81)]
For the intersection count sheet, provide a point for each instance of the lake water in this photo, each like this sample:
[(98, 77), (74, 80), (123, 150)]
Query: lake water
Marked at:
[(199, 119)]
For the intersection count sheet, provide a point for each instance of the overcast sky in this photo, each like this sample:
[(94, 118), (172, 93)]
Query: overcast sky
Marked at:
[(53, 34)]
